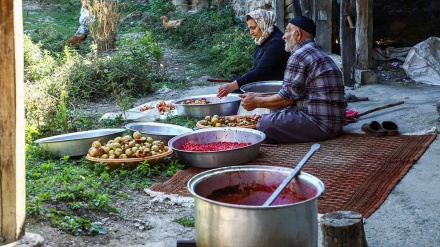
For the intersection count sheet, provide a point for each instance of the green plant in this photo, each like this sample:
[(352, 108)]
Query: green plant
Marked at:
[(73, 224), (124, 102), (189, 122), (173, 167), (185, 221)]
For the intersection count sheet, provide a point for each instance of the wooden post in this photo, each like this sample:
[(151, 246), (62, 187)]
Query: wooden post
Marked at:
[(343, 228), (306, 9), (12, 122), (347, 39), (323, 19), (364, 33), (296, 8), (279, 12)]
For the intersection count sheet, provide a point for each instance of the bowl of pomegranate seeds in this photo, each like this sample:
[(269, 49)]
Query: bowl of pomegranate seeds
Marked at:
[(217, 147), (207, 105)]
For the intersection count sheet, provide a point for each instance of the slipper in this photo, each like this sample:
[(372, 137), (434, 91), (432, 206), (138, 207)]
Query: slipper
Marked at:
[(374, 128), (353, 98), (350, 112), (390, 127)]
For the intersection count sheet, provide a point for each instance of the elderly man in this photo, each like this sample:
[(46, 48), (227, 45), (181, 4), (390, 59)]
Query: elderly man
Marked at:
[(310, 106)]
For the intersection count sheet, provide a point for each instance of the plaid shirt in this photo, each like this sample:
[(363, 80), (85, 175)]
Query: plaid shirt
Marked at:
[(314, 82)]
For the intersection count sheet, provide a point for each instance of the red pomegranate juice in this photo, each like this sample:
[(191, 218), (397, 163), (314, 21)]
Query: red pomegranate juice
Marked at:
[(257, 194)]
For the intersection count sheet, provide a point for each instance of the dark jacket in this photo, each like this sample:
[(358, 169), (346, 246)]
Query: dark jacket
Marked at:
[(270, 60)]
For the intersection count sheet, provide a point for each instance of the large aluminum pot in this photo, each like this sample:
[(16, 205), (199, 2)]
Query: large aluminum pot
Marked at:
[(285, 223), (213, 159), (223, 107)]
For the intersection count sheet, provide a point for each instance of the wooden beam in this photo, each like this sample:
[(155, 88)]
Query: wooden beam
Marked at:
[(296, 8), (12, 122), (323, 19), (364, 34), (279, 12), (347, 39)]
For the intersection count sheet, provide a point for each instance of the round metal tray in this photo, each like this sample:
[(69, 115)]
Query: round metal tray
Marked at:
[(262, 87)]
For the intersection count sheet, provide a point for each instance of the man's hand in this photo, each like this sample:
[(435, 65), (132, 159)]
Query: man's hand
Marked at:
[(249, 101), (226, 89)]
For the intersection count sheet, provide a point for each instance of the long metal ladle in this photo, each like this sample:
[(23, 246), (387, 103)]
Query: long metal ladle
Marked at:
[(295, 171)]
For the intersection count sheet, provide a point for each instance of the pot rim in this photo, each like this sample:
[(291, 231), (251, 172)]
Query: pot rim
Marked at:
[(75, 136), (130, 126), (224, 100), (317, 183)]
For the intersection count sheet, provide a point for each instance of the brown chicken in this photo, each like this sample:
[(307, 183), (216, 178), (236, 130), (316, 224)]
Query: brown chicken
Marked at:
[(171, 24), (75, 40)]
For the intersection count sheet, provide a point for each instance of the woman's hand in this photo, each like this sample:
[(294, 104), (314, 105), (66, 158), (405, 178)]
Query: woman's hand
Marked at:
[(226, 89)]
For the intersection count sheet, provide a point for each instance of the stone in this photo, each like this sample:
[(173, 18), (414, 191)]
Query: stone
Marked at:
[(28, 240)]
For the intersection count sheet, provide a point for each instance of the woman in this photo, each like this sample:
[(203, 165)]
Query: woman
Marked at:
[(270, 57)]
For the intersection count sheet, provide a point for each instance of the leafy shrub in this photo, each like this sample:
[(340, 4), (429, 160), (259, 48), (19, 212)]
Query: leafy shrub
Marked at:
[(37, 63), (217, 40), (130, 70), (52, 87)]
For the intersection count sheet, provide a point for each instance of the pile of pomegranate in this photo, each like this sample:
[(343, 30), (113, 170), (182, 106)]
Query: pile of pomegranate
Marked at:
[(162, 106), (230, 121), (201, 101), (136, 146)]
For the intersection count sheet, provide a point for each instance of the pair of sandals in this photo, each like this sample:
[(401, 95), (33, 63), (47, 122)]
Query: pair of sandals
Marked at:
[(376, 129)]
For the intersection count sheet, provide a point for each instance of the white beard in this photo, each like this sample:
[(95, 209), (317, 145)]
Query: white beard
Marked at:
[(287, 47)]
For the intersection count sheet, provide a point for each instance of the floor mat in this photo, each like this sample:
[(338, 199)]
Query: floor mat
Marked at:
[(358, 171)]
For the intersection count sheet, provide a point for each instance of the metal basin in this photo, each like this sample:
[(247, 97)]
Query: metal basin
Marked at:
[(158, 131), (260, 87), (288, 222), (212, 159), (264, 87), (77, 143), (223, 107)]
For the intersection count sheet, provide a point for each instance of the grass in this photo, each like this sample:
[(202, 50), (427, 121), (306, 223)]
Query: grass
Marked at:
[(185, 221)]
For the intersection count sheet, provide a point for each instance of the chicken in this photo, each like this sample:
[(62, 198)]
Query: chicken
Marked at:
[(75, 40), (171, 24), (83, 30)]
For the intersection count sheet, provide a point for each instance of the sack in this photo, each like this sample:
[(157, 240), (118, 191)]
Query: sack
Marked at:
[(422, 64)]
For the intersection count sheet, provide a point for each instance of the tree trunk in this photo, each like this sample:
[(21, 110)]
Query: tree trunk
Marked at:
[(343, 229)]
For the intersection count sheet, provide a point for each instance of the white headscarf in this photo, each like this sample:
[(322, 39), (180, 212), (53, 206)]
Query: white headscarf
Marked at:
[(265, 21)]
